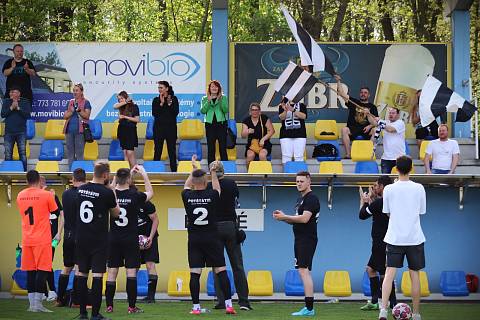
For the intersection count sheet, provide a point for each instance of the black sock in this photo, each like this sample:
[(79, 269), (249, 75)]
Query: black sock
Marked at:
[(82, 293), (195, 287), (75, 294), (393, 296), (225, 284), (97, 286), (132, 291), (31, 277), (152, 285), (309, 303), (62, 287), (110, 288), (41, 281), (375, 288), (50, 282)]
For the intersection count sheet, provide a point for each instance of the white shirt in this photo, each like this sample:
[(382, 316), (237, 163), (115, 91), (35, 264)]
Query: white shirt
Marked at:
[(394, 142), (405, 201), (442, 153)]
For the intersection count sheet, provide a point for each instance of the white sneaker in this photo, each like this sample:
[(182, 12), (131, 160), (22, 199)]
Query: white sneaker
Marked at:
[(383, 314), (38, 303), (52, 296), (416, 316)]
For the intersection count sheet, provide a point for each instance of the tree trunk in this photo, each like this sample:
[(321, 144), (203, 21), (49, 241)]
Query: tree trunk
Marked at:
[(348, 27), (3, 13), (386, 21), (177, 36), (162, 7), (306, 15), (92, 10), (337, 26), (204, 20), (318, 19), (432, 29)]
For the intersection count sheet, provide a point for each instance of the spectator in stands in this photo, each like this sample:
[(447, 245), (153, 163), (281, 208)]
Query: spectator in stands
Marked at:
[(258, 129), (445, 153), (16, 111), (393, 140), (293, 135), (18, 71), (361, 116), (129, 116), (165, 111), (421, 133), (215, 108), (78, 113)]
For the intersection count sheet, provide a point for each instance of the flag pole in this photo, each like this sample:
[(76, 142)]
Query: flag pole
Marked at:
[(476, 129), (335, 90)]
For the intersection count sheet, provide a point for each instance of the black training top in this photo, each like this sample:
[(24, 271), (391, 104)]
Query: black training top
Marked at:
[(124, 227), (380, 219), (309, 202), (54, 217), (164, 114), (228, 200), (19, 78), (144, 221), (357, 120), (70, 211), (201, 207)]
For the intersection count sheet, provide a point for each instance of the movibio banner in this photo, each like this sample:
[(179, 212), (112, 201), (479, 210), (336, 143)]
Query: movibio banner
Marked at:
[(105, 69)]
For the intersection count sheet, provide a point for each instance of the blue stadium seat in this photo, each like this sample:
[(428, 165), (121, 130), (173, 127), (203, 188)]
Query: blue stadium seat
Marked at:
[(154, 166), (366, 284), (149, 131), (211, 284), (115, 153), (187, 148), (359, 138), (142, 283), (229, 166), (56, 276), (20, 277), (86, 165), (453, 284), (257, 158), (294, 166), (51, 150), (293, 283), (233, 126), (366, 167), (11, 166), (407, 148), (30, 129), (335, 144), (96, 127)]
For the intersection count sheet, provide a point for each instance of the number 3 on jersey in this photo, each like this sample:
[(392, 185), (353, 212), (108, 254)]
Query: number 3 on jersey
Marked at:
[(200, 221), (86, 213), (123, 220)]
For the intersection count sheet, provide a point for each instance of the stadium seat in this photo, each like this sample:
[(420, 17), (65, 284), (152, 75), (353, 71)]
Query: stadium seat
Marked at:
[(337, 284), (115, 152), (51, 150), (114, 130), (229, 166), (149, 151), (407, 284), (19, 283), (187, 148), (115, 165), (453, 284), (407, 148), (84, 164), (260, 167), (326, 130), (91, 151), (11, 166), (96, 128), (30, 132), (47, 166), (231, 153), (15, 155), (260, 283), (142, 283), (331, 167), (186, 166), (329, 158), (154, 166), (362, 150), (366, 284), (423, 149), (211, 285), (395, 171), (294, 166), (178, 283), (149, 129), (232, 124), (54, 130), (366, 167), (293, 283), (191, 129), (56, 276)]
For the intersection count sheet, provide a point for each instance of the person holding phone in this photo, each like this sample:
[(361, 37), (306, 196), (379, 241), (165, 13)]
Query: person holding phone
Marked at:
[(129, 116), (293, 135)]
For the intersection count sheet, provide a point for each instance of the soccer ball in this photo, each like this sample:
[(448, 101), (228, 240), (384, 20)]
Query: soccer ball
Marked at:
[(402, 311), (142, 241)]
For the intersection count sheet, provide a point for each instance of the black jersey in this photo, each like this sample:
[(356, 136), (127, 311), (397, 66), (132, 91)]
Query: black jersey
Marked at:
[(125, 225), (54, 217), (70, 211), (144, 221), (228, 200), (309, 202), (95, 201), (201, 207), (380, 219)]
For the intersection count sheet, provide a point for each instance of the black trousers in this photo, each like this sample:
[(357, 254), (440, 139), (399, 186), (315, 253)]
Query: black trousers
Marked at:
[(168, 133), (216, 131)]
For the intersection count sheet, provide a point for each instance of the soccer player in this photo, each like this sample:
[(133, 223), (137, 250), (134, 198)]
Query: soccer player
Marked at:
[(35, 206), (304, 224), (404, 201), (123, 248), (371, 205), (70, 212), (204, 246), (97, 200)]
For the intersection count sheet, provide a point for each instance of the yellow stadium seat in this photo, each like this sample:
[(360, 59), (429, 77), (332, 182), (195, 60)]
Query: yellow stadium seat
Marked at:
[(337, 284), (260, 283), (186, 166), (114, 130), (191, 129), (15, 151), (2, 129), (423, 149), (331, 167), (231, 153), (395, 171), (149, 150), (115, 165), (178, 283), (326, 127), (54, 130), (16, 290), (91, 151), (47, 166), (260, 167), (407, 284), (362, 150)]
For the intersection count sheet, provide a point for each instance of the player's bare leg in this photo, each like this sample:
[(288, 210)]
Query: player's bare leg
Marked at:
[(386, 289)]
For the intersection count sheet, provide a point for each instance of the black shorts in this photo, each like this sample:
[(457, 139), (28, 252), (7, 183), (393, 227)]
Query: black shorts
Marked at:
[(430, 130), (89, 257), (127, 136), (69, 252), (355, 132), (415, 256), (151, 254), (378, 257), (205, 250), (304, 251), (124, 253)]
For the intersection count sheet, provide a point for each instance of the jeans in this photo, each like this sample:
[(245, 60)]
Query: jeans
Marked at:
[(227, 234), (75, 146), (216, 131), (387, 165), (440, 171), (9, 141)]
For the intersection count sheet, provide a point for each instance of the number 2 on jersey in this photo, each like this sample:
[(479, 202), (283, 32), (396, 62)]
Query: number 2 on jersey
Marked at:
[(200, 221), (123, 220)]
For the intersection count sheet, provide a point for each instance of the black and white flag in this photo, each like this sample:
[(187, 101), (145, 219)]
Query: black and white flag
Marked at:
[(310, 52), (436, 99), (294, 82)]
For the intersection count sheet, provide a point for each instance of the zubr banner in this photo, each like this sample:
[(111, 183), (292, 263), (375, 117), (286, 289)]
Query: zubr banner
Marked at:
[(105, 69)]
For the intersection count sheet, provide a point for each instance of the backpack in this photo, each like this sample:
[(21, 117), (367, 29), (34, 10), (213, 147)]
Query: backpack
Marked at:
[(472, 282), (325, 150)]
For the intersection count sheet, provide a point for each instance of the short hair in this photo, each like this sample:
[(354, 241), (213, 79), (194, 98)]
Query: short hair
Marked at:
[(384, 180), (254, 104), (17, 88), (79, 175), (304, 174), (404, 165), (198, 176), (17, 45), (122, 175), (366, 88), (396, 109), (443, 125), (33, 177), (100, 169), (220, 170)]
